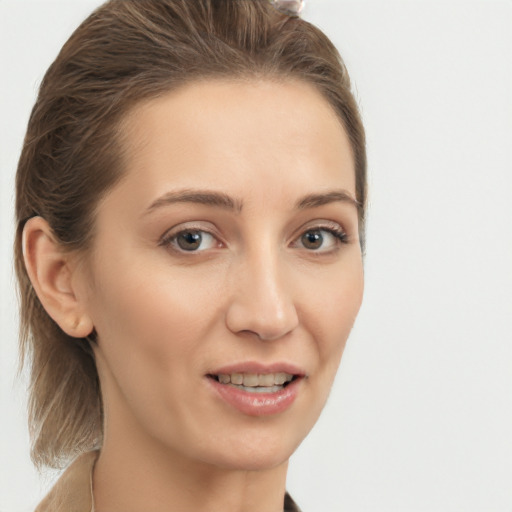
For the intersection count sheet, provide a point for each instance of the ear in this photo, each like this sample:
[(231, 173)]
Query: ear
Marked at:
[(51, 271)]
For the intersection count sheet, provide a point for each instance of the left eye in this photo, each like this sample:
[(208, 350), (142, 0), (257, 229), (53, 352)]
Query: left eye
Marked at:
[(321, 240), (191, 240)]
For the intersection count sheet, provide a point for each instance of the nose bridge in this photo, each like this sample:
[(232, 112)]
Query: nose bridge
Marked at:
[(262, 296)]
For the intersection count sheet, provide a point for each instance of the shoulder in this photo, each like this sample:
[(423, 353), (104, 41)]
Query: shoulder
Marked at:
[(72, 492)]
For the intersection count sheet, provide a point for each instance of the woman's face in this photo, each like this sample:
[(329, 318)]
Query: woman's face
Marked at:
[(229, 250)]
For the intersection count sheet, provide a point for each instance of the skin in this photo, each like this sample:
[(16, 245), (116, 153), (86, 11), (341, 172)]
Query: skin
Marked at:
[(166, 317)]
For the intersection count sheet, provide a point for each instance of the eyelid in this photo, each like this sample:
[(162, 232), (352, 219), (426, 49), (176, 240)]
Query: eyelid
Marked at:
[(321, 224), (334, 228), (167, 238)]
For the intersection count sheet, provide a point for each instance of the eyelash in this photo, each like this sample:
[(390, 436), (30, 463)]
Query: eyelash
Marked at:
[(334, 230), (169, 240)]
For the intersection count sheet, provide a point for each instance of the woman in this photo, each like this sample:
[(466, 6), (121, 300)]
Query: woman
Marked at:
[(190, 205)]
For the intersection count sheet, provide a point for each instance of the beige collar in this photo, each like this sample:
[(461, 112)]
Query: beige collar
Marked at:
[(73, 490)]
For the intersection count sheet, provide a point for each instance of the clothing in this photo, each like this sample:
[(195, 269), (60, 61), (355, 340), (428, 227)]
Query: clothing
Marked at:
[(73, 491)]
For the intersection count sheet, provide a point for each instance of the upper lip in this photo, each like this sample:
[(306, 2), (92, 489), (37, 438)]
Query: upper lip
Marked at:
[(259, 368)]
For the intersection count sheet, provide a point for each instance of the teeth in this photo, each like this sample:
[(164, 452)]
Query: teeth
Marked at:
[(224, 379), (235, 378), (281, 378), (251, 379), (264, 380)]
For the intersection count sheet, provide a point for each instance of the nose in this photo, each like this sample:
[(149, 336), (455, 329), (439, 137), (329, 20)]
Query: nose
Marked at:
[(262, 301)]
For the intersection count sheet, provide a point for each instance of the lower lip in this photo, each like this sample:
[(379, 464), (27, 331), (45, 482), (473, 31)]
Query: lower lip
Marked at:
[(258, 404)]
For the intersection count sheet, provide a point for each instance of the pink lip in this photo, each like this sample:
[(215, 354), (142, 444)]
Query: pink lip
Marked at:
[(258, 404), (254, 367)]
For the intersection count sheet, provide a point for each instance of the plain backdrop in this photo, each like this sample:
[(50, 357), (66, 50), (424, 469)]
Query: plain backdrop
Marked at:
[(420, 418)]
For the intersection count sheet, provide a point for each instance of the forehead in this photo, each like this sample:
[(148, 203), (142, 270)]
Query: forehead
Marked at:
[(235, 135)]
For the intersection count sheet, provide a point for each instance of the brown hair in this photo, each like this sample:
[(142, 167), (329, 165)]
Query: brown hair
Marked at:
[(127, 51)]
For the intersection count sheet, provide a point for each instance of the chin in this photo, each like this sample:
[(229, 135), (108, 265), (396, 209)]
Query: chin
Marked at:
[(253, 460), (255, 452)]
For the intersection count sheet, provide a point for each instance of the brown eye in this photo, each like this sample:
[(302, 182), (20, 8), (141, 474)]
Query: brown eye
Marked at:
[(312, 239), (189, 240), (322, 240)]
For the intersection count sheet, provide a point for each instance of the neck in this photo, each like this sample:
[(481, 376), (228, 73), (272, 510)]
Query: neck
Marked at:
[(158, 481), (135, 472)]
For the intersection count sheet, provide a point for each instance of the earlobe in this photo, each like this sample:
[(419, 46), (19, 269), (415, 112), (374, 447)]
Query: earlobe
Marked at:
[(50, 270)]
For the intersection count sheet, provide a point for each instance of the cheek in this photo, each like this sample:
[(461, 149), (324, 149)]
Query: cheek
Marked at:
[(333, 310), (152, 329), (329, 314), (148, 318)]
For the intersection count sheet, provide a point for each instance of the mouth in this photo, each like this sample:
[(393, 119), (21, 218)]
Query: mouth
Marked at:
[(257, 390), (255, 382)]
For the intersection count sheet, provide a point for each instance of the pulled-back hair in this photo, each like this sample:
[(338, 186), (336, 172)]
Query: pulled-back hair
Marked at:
[(123, 53)]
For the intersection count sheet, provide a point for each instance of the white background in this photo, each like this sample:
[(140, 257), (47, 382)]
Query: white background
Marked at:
[(420, 418)]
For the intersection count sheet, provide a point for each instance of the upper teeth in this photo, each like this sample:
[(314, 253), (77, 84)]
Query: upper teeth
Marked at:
[(253, 379)]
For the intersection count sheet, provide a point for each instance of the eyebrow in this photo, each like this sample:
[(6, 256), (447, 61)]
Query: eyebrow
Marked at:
[(224, 201), (333, 196), (206, 197)]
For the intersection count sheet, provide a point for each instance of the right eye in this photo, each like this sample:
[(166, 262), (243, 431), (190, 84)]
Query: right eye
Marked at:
[(190, 240)]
